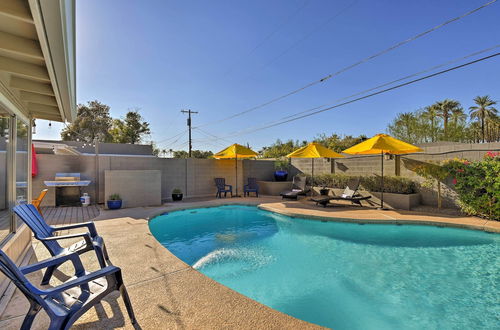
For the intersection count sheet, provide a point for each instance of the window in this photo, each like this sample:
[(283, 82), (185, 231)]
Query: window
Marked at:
[(21, 164), (14, 165)]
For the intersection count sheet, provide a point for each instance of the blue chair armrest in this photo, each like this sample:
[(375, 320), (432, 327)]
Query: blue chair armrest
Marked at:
[(57, 260), (86, 236), (90, 225), (82, 280), (230, 186)]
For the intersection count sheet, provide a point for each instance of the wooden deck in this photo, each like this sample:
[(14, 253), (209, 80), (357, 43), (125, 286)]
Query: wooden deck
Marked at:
[(64, 215)]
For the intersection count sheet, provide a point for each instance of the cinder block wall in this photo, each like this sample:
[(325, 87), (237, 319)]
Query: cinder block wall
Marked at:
[(135, 187), (371, 165), (195, 176), (49, 165)]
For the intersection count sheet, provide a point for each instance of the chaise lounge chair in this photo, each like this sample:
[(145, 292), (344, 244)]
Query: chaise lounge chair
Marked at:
[(298, 188), (46, 234), (350, 194)]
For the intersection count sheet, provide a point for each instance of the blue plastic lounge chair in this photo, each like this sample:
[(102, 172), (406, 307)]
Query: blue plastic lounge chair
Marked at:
[(350, 194), (251, 186), (45, 233), (65, 303), (221, 185), (298, 188)]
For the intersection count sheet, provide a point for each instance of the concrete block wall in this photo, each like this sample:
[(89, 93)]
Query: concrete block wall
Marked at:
[(371, 165), (135, 187), (195, 176), (49, 165)]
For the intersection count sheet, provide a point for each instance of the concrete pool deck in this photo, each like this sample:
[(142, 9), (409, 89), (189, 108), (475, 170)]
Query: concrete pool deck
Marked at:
[(168, 294)]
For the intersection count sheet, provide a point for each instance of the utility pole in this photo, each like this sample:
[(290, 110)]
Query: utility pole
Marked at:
[(189, 112)]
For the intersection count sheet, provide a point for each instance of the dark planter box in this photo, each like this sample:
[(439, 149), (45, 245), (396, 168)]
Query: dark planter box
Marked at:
[(280, 175), (114, 205), (176, 197)]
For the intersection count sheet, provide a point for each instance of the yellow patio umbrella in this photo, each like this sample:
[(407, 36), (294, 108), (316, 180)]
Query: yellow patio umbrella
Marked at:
[(235, 151), (314, 150), (382, 144)]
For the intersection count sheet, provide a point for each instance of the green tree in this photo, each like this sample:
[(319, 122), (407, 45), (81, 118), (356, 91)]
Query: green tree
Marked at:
[(431, 114), (92, 121), (131, 129), (339, 143), (409, 127), (483, 111), (445, 111), (280, 149), (194, 154)]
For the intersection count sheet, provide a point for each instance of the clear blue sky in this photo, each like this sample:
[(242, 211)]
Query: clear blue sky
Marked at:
[(163, 56)]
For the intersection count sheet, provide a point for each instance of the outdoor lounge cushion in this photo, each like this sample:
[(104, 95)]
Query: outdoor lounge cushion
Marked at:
[(298, 188), (349, 194)]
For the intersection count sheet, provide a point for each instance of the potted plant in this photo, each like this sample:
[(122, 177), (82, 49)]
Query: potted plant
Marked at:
[(281, 166), (176, 194), (114, 202), (324, 191)]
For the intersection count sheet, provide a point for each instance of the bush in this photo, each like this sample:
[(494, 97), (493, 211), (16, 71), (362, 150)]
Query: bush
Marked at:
[(114, 197), (392, 184), (330, 180), (477, 185)]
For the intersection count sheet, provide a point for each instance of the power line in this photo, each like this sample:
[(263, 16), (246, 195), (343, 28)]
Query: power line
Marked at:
[(172, 137), (369, 95), (299, 41), (397, 45), (175, 141), (371, 89), (400, 79), (270, 35), (210, 134)]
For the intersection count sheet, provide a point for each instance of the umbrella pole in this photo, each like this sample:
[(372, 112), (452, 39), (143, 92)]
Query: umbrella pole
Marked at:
[(236, 167), (382, 179), (312, 176)]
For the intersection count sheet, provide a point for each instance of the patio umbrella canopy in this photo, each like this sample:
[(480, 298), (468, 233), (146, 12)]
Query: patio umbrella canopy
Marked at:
[(314, 150), (382, 144), (235, 151)]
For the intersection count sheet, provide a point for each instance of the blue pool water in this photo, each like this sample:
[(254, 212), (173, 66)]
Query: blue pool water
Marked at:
[(343, 275)]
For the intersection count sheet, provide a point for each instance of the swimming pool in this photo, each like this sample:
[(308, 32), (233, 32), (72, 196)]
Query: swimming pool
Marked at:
[(343, 275)]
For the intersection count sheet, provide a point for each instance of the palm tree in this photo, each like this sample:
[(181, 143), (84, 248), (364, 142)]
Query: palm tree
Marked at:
[(482, 111), (458, 115), (431, 113), (445, 110), (492, 126), (407, 121)]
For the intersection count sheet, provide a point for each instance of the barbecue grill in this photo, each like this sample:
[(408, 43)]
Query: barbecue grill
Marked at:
[(68, 188)]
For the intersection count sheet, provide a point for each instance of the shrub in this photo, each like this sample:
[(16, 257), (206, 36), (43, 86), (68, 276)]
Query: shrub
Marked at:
[(477, 185), (282, 164), (114, 197), (330, 180), (176, 191), (392, 184)]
